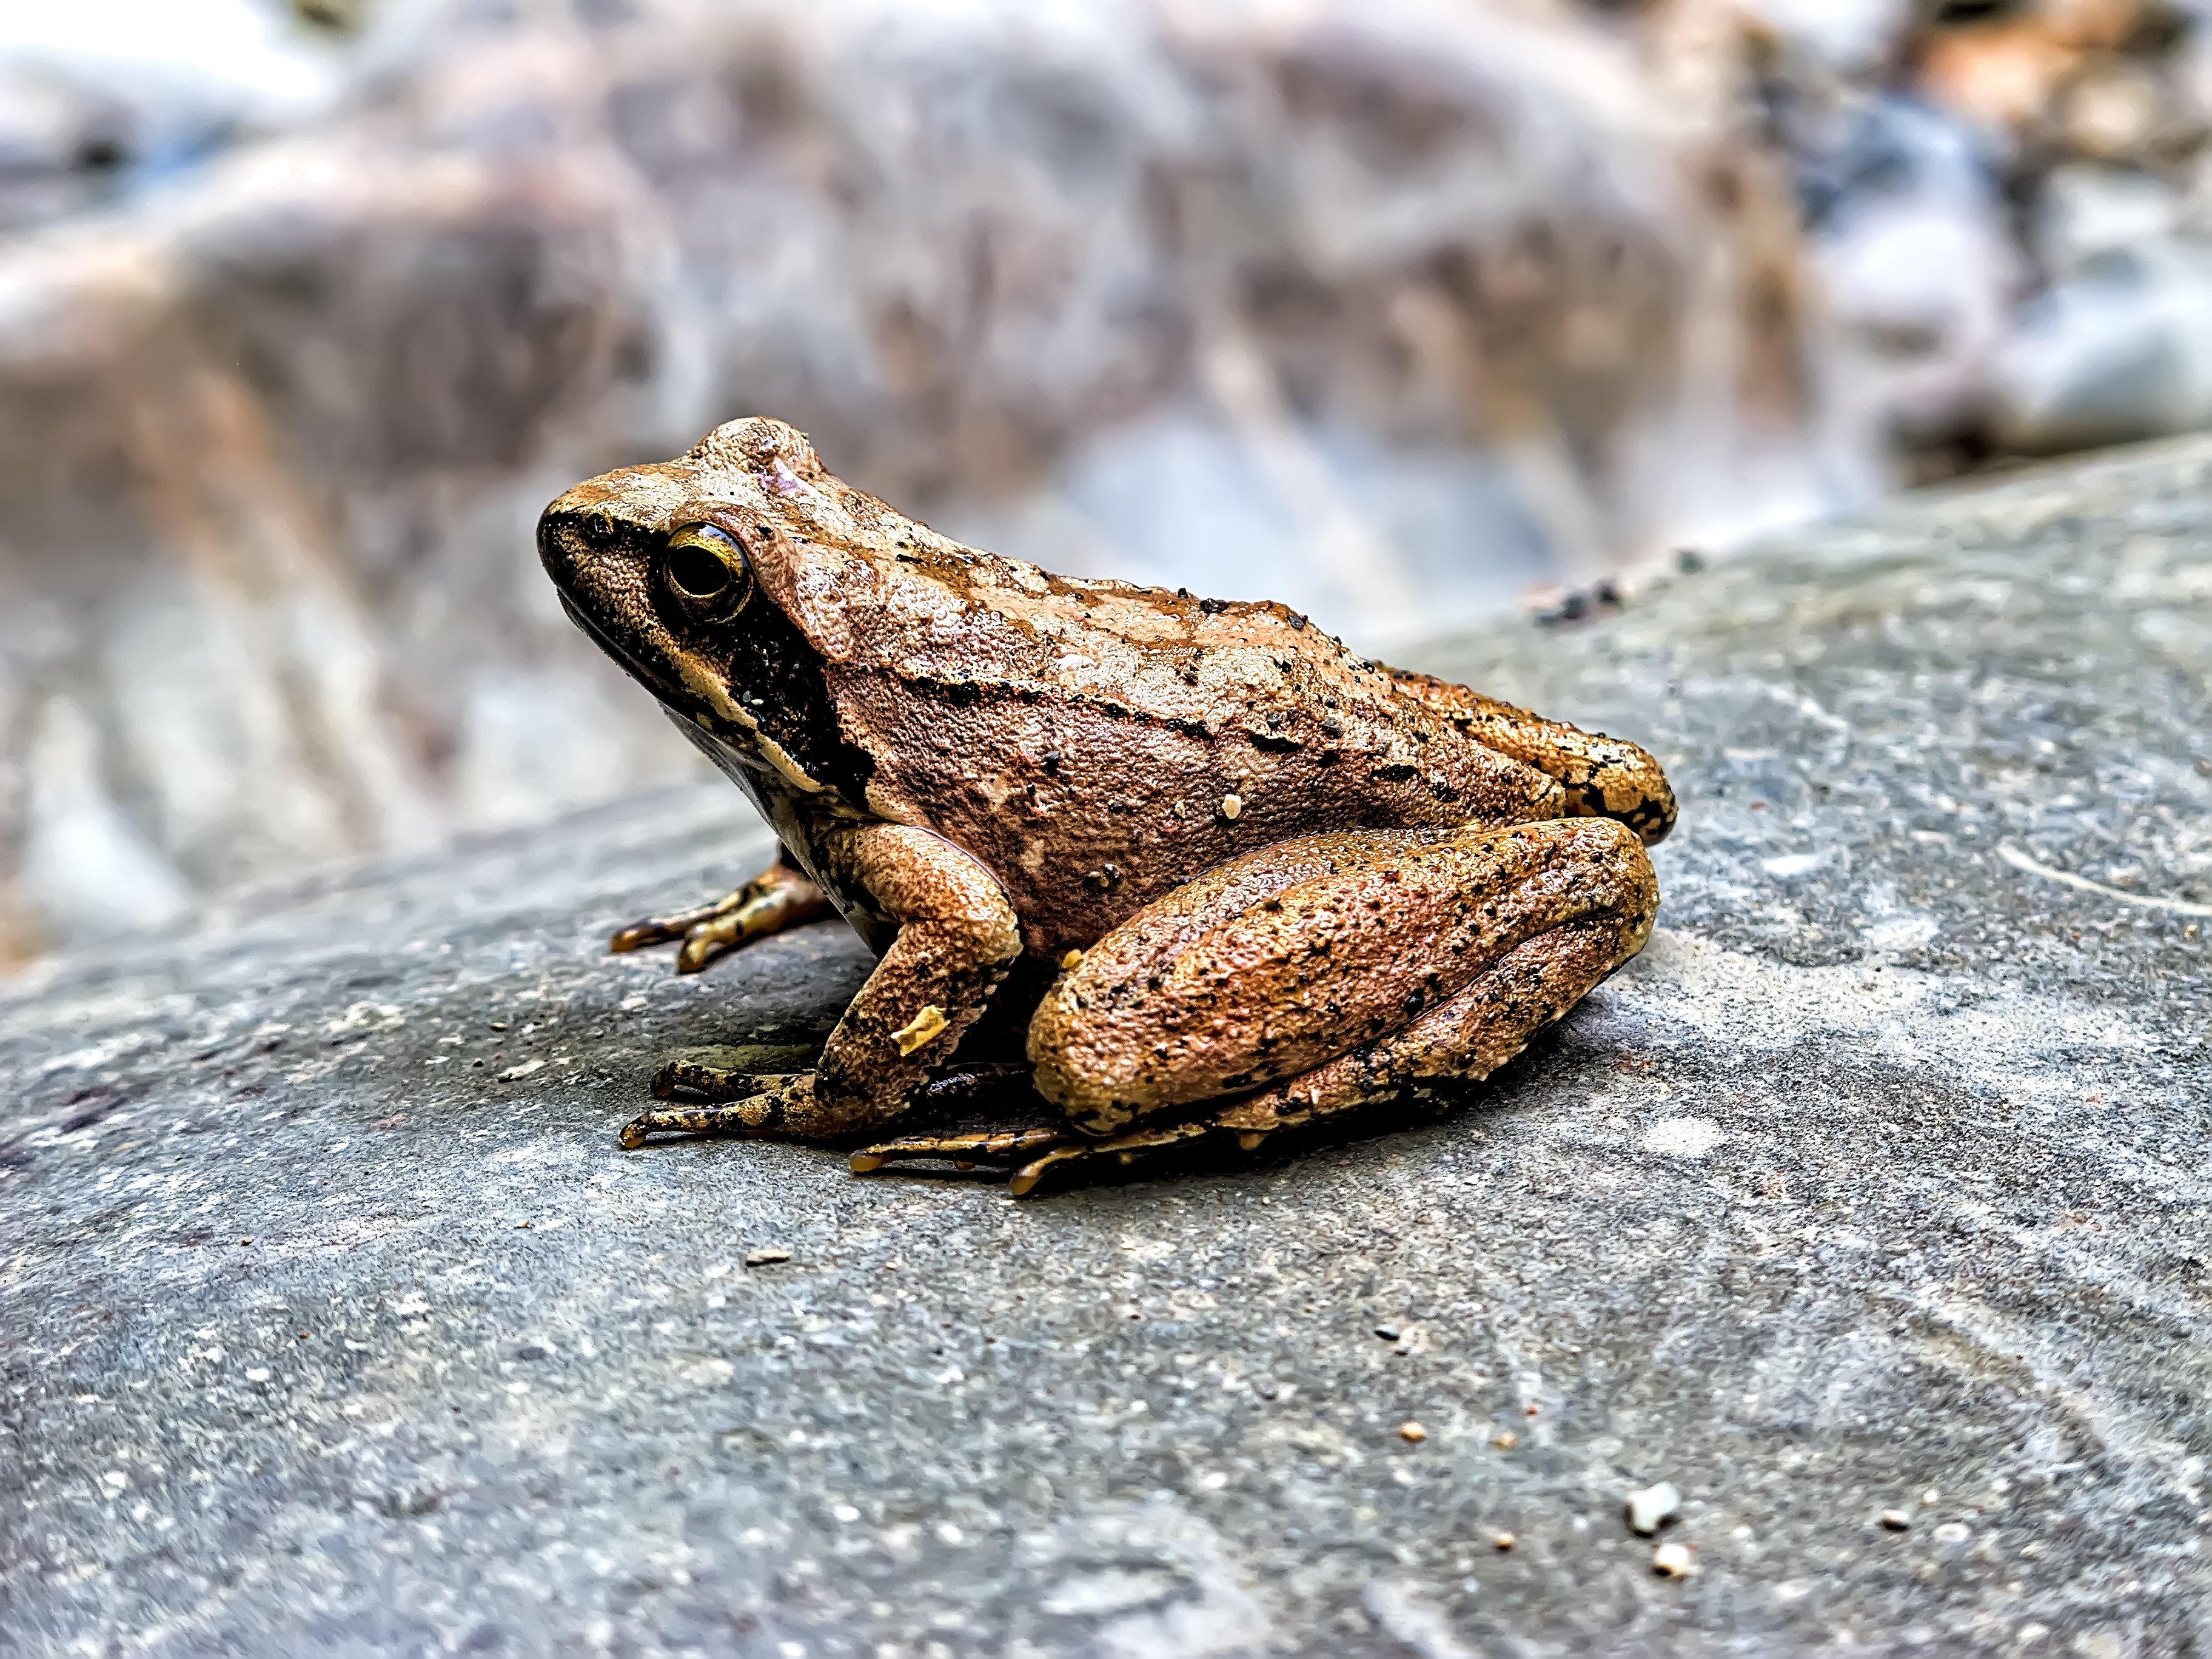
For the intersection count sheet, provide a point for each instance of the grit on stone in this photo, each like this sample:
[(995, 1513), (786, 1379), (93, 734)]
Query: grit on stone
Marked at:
[(1877, 1187)]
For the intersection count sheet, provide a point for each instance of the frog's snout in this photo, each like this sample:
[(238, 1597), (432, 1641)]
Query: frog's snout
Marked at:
[(570, 536)]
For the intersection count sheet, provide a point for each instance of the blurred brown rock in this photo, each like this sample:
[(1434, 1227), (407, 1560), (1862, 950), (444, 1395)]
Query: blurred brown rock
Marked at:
[(1383, 308)]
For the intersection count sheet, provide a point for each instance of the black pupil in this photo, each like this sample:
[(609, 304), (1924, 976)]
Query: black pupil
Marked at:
[(697, 572)]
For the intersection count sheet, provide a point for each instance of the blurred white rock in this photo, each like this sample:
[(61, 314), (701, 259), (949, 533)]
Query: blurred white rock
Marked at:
[(2085, 210), (1917, 261), (99, 97), (2120, 350)]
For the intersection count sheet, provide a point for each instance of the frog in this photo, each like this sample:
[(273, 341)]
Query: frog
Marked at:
[(1211, 873)]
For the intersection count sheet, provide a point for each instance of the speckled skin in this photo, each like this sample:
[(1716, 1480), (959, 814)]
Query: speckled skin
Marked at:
[(977, 760)]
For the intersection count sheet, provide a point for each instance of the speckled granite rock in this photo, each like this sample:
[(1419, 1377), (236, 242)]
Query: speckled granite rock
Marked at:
[(1878, 1184)]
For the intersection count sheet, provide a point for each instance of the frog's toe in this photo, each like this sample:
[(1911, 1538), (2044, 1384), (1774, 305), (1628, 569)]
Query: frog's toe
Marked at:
[(718, 1103), (780, 898), (962, 1151), (1034, 1154), (695, 1080), (663, 930), (1079, 1157)]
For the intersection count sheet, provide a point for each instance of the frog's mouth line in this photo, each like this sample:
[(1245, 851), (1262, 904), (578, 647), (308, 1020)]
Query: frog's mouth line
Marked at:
[(675, 698)]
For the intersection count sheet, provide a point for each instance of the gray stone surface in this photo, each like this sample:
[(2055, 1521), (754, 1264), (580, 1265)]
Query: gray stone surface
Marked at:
[(1879, 1183)]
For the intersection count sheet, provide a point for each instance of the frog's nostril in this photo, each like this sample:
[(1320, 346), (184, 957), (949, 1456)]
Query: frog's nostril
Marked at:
[(697, 574)]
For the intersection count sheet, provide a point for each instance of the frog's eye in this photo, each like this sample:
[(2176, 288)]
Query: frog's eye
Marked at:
[(706, 571)]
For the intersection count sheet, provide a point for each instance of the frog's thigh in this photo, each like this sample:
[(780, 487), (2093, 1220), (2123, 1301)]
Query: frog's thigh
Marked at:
[(1469, 1036), (1162, 1015)]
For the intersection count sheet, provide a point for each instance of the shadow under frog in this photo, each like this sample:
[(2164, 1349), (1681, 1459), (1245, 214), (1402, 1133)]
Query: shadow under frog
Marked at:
[(1241, 879)]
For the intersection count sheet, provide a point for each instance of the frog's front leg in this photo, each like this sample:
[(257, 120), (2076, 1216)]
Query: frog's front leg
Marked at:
[(782, 895), (956, 936)]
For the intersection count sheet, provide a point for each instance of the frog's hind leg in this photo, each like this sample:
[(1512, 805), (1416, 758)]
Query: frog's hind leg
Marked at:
[(781, 896), (1602, 776), (1463, 1040), (1222, 988)]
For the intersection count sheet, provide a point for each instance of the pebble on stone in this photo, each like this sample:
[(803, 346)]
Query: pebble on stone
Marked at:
[(1653, 1507), (1505, 1440), (1502, 1541), (1896, 1520), (1413, 1431), (1672, 1561), (767, 1258), (1388, 1332)]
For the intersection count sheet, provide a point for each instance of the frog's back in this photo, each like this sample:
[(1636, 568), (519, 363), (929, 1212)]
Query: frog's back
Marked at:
[(1096, 744)]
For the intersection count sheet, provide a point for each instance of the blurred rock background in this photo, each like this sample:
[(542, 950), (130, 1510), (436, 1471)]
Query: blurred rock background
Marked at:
[(1393, 309)]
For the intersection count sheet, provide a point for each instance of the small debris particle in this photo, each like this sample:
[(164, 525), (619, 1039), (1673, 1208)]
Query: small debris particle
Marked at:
[(1653, 1507), (1071, 962), (512, 1072), (1531, 1408), (522, 1226), (1931, 1497), (1505, 1440), (499, 1025), (1895, 1520), (247, 1240), (929, 1022), (1231, 805), (767, 1258), (1388, 1332), (1672, 1561), (1413, 1431), (303, 1336), (1954, 1532), (1502, 1541)]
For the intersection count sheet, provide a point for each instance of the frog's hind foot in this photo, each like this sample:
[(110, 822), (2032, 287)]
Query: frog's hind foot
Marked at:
[(1033, 1154), (780, 898), (963, 1153)]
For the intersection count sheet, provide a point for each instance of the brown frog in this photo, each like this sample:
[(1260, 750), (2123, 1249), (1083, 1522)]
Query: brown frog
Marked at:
[(1239, 877)]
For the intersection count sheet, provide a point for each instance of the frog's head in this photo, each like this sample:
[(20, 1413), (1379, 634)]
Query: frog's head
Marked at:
[(685, 574)]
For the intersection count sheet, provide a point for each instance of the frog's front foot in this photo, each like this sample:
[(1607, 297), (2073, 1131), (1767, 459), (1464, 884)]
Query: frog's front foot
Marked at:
[(714, 1102), (780, 897)]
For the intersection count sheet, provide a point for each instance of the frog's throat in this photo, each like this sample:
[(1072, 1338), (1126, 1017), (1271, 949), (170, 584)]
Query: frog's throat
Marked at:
[(756, 747)]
